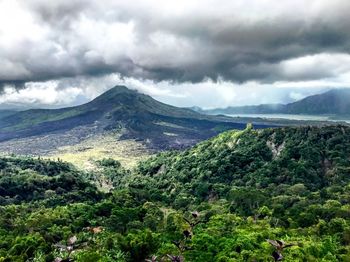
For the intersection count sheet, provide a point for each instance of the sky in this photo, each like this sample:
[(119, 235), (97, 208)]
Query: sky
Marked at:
[(205, 53)]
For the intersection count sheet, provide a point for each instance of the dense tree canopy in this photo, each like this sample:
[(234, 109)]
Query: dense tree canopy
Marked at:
[(218, 201)]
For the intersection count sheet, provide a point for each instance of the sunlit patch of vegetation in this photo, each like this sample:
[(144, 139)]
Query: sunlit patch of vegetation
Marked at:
[(108, 145)]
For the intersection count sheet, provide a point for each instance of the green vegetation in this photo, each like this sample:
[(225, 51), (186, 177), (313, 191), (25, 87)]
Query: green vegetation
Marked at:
[(25, 180), (290, 184)]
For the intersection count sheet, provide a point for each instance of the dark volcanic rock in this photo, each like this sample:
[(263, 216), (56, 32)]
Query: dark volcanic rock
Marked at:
[(142, 118)]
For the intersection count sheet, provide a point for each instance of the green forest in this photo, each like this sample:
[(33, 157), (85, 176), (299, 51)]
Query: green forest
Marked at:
[(276, 194)]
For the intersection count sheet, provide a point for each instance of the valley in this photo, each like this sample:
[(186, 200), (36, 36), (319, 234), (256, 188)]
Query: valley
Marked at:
[(126, 178), (174, 131), (229, 198), (120, 123)]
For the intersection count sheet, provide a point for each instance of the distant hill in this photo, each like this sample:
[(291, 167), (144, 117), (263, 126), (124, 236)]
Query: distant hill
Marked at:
[(334, 102), (5, 113), (129, 113), (265, 159)]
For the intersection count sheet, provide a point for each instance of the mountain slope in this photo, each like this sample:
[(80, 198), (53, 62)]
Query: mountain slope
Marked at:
[(264, 158), (5, 113), (133, 115), (334, 102)]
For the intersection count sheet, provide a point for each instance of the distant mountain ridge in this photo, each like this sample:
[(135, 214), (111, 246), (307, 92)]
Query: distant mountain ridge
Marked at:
[(334, 102), (5, 113), (134, 115)]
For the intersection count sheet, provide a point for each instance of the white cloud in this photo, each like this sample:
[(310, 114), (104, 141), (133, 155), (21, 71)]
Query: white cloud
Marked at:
[(46, 94), (207, 94), (12, 70), (186, 52), (166, 40), (296, 95), (324, 65)]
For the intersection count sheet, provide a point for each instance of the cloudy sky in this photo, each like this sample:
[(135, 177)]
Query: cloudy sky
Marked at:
[(206, 53)]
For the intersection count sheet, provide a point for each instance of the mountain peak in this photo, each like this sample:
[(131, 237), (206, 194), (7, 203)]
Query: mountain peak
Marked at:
[(115, 94), (139, 116), (119, 90)]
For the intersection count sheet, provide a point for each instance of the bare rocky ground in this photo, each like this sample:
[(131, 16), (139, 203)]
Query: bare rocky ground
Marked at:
[(121, 123), (81, 146), (42, 145), (106, 145)]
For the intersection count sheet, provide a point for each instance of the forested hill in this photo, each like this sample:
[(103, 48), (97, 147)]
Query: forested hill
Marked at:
[(53, 182), (269, 159), (218, 201), (334, 103)]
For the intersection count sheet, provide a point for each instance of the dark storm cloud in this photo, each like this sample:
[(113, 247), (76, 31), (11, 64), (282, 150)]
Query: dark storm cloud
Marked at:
[(149, 40), (16, 84), (54, 12)]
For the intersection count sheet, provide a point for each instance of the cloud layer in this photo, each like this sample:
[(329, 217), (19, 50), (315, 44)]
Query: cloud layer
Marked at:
[(176, 42)]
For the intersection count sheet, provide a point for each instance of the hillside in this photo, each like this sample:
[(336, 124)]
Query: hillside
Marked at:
[(264, 159), (121, 112), (25, 179), (6, 113), (218, 201), (334, 103)]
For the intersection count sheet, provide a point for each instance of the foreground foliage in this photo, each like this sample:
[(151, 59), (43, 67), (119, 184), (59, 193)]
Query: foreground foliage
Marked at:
[(290, 184)]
